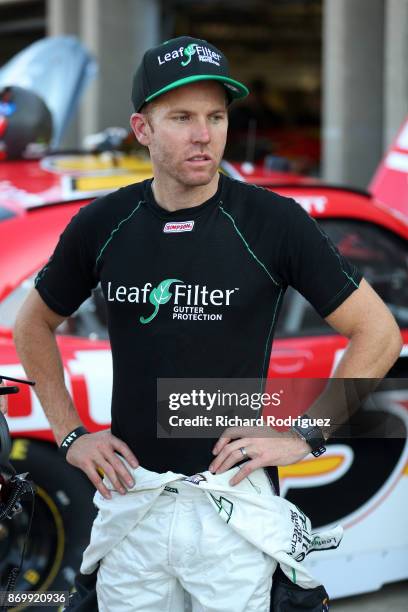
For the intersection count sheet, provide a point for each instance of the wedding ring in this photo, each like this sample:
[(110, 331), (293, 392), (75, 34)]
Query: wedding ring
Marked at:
[(243, 451)]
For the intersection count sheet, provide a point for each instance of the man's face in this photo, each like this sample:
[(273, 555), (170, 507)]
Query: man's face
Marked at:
[(185, 131)]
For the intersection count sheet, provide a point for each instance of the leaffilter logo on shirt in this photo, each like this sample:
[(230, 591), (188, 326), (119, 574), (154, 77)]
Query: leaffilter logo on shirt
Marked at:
[(158, 296), (189, 302)]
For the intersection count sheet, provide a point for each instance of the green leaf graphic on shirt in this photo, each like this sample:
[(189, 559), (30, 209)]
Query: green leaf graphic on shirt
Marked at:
[(159, 295)]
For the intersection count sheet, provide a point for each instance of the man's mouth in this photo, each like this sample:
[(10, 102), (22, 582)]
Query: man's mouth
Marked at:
[(199, 158)]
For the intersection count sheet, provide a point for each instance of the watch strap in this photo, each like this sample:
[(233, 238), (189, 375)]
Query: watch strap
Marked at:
[(312, 434)]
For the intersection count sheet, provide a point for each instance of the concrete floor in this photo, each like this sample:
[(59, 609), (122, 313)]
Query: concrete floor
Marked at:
[(393, 597)]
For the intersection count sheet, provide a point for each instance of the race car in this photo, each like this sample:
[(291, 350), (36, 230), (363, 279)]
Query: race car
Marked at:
[(369, 234)]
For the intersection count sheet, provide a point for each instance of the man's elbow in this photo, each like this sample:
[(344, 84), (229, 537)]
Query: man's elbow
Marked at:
[(396, 343), (390, 342), (34, 315), (381, 337)]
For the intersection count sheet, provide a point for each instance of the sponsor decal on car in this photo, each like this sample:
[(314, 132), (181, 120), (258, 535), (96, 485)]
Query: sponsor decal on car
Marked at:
[(313, 203)]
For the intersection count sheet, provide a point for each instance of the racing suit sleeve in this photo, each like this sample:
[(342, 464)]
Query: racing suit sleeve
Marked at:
[(313, 265), (69, 276)]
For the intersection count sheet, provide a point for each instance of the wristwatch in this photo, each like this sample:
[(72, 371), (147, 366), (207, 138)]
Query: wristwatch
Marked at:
[(312, 434)]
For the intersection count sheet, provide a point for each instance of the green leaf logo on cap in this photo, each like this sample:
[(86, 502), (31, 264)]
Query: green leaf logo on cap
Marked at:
[(189, 52), (159, 295)]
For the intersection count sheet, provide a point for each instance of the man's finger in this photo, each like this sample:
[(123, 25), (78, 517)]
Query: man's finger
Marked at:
[(120, 469), (220, 445), (223, 456), (234, 457), (245, 470), (125, 451), (112, 475), (225, 438), (96, 480), (233, 433)]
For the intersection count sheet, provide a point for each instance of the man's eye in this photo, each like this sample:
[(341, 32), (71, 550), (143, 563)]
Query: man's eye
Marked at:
[(217, 118), (181, 118)]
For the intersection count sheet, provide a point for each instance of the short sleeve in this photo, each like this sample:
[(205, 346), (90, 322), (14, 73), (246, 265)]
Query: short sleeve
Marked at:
[(314, 266), (69, 276)]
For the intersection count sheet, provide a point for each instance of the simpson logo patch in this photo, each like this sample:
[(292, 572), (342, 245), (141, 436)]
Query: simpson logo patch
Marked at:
[(175, 228)]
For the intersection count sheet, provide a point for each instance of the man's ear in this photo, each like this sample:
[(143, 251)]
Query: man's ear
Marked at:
[(141, 128)]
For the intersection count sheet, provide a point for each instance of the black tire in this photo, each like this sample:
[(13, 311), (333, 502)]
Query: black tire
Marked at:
[(61, 525)]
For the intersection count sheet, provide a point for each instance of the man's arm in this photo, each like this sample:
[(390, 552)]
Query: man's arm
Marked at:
[(374, 345), (375, 338), (34, 336)]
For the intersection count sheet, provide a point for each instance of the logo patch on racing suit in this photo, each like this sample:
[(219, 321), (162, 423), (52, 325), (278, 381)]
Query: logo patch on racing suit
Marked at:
[(181, 226), (224, 505), (171, 489), (195, 479)]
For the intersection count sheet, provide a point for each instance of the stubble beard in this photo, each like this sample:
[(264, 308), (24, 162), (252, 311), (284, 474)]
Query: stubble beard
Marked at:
[(188, 178)]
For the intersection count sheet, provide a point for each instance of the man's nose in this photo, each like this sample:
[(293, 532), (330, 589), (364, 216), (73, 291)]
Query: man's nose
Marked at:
[(201, 132)]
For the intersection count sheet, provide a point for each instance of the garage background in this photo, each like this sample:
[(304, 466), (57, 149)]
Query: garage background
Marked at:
[(337, 67)]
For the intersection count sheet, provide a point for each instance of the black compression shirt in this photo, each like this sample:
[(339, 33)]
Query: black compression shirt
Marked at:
[(191, 293)]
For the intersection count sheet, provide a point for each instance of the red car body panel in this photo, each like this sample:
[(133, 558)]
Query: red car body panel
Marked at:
[(389, 184)]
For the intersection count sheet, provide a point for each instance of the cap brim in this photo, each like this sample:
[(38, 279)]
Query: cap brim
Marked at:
[(234, 88)]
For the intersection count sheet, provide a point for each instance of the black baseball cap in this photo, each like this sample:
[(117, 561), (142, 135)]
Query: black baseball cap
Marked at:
[(178, 62)]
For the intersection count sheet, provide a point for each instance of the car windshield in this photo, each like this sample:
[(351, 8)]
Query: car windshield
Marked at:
[(381, 256), (89, 321)]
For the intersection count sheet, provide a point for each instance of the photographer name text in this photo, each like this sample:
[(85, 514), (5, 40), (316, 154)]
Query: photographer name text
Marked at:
[(236, 421)]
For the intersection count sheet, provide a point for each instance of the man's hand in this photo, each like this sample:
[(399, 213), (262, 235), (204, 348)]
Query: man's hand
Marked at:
[(274, 448), (3, 400), (97, 451)]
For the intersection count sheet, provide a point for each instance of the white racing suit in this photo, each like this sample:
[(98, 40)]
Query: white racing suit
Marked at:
[(170, 536)]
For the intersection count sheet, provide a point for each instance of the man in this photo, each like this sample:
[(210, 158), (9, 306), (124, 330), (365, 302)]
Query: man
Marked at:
[(193, 267)]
